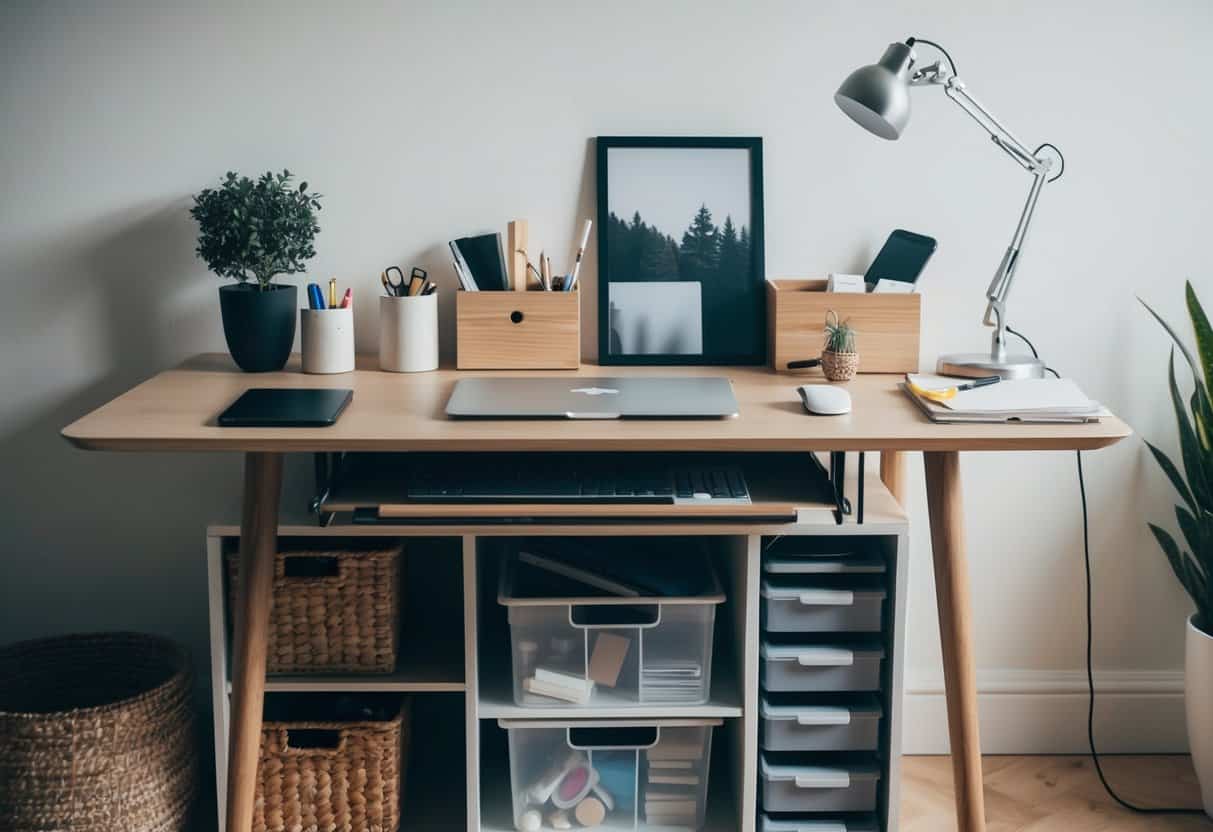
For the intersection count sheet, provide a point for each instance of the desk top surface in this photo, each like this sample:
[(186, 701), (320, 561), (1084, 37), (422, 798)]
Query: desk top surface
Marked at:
[(177, 411)]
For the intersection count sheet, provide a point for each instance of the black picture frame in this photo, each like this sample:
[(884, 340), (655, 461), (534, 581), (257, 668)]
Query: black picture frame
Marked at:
[(747, 327)]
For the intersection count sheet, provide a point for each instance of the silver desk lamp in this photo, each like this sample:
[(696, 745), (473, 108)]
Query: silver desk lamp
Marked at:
[(877, 97)]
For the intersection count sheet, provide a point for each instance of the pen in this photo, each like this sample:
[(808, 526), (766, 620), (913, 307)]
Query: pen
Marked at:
[(348, 299), (430, 288), (585, 241), (315, 298), (333, 293)]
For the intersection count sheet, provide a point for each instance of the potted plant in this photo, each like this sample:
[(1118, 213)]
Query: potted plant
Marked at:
[(253, 231), (839, 361), (1193, 565)]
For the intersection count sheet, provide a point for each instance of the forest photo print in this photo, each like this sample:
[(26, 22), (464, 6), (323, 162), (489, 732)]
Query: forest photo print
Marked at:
[(680, 251)]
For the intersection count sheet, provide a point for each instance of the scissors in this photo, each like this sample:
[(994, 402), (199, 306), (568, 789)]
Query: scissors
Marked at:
[(394, 289)]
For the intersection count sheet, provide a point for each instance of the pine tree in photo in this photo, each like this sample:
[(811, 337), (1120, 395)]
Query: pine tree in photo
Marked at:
[(699, 251), (732, 264)]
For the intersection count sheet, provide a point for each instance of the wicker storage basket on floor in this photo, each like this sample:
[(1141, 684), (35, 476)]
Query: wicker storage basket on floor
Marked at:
[(332, 775), (333, 611), (96, 735)]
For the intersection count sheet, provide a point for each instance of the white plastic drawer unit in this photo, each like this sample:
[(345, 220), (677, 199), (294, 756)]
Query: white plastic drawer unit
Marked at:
[(609, 650), (853, 726), (804, 788), (820, 668), (609, 774), (803, 605), (863, 824)]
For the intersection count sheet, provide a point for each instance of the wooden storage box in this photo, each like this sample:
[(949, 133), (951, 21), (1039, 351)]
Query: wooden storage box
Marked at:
[(318, 770), (518, 330), (333, 610), (886, 325)]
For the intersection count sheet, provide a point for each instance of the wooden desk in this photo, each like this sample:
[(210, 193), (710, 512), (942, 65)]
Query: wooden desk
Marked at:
[(176, 411)]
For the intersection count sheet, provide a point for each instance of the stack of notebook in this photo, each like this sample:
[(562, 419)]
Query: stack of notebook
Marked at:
[(671, 798), (1036, 400)]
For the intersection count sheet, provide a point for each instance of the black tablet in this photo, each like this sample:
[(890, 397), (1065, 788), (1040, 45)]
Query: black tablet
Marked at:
[(286, 407)]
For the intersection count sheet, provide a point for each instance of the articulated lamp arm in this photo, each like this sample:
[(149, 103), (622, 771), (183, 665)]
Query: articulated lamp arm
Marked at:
[(1039, 166)]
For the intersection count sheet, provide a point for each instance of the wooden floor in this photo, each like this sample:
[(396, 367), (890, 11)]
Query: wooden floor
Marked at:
[(1056, 794)]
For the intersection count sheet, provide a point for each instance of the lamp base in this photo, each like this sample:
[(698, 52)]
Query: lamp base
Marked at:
[(982, 364)]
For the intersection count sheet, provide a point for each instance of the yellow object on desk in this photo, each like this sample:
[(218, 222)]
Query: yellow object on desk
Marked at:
[(943, 394)]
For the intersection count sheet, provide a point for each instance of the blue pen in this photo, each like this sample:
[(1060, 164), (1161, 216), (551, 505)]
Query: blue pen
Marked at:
[(315, 298)]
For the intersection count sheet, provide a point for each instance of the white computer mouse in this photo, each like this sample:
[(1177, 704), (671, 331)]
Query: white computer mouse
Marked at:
[(825, 399)]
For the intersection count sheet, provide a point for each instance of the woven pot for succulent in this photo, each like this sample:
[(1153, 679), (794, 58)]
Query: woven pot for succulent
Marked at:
[(331, 775), (333, 611), (839, 360), (96, 735)]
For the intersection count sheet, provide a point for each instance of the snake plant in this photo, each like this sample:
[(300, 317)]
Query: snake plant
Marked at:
[(1192, 565)]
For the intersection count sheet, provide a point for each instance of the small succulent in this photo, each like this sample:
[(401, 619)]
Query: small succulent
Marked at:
[(840, 337)]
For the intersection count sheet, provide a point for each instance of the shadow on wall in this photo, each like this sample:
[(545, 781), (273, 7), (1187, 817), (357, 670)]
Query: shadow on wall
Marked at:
[(99, 541)]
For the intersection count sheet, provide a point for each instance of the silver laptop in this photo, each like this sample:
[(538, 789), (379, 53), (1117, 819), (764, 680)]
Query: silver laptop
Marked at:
[(577, 397)]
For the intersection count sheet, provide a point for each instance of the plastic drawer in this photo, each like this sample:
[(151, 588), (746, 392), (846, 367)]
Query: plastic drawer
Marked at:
[(800, 606), (820, 668), (616, 774), (769, 824), (610, 651), (797, 788), (849, 727)]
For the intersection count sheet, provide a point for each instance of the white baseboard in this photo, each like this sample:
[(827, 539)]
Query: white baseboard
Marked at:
[(1045, 712)]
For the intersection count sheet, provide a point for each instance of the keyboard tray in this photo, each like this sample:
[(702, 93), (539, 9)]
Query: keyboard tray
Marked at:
[(782, 487)]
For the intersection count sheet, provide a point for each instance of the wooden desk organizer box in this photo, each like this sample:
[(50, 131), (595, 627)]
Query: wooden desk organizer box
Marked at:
[(520, 329), (886, 325)]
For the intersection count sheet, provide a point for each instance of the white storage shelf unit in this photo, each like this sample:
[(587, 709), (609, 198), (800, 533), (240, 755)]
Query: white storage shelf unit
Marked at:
[(455, 659)]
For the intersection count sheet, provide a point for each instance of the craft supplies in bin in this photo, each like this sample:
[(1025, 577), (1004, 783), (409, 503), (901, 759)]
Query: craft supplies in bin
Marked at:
[(96, 732), (625, 638), (613, 774), (848, 787), (333, 610), (331, 762)]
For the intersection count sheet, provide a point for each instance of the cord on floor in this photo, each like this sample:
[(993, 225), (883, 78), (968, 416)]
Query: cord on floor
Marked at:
[(1086, 552)]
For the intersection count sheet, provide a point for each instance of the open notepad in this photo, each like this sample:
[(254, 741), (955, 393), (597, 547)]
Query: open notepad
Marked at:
[(1041, 400)]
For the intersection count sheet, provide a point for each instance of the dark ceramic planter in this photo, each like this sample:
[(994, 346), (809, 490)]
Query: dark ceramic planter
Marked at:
[(259, 325)]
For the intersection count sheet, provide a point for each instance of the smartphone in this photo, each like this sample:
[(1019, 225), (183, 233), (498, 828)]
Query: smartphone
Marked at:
[(902, 258)]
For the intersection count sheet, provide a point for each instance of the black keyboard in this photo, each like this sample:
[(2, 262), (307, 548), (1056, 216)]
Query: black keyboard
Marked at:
[(586, 483)]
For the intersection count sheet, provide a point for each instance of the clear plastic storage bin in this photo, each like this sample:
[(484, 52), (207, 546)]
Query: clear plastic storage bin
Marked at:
[(821, 668), (805, 605), (608, 650), (616, 775), (799, 788), (853, 726)]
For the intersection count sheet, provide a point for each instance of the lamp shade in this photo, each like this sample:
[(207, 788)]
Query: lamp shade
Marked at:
[(877, 96)]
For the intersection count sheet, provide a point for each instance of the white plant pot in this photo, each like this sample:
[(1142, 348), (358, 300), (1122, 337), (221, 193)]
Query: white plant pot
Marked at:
[(1198, 695)]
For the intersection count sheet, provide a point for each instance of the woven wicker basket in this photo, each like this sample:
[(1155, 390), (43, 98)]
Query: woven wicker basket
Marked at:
[(332, 611), (839, 366), (96, 735), (331, 776)]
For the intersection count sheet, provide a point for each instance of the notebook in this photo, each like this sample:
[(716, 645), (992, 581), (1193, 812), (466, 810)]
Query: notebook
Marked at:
[(1037, 400), (286, 407), (484, 257)]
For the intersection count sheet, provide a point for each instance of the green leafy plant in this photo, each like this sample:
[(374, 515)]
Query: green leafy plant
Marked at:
[(256, 229), (840, 337), (1194, 565)]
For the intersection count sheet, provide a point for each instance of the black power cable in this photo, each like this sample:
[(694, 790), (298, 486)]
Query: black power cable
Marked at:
[(1086, 551)]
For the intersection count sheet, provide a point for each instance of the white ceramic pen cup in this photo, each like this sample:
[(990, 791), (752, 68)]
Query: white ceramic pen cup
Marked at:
[(328, 340), (408, 333)]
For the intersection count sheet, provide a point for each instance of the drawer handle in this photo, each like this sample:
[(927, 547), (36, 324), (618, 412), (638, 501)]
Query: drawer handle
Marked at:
[(825, 716), (826, 657), (824, 779), (516, 316), (621, 737), (827, 598)]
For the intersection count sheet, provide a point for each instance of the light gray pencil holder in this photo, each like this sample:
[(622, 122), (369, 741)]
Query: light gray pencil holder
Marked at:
[(408, 333), (328, 340)]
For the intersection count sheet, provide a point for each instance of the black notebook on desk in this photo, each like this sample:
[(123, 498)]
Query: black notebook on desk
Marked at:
[(285, 407)]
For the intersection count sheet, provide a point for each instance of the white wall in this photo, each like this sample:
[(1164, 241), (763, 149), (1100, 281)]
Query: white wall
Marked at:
[(419, 121)]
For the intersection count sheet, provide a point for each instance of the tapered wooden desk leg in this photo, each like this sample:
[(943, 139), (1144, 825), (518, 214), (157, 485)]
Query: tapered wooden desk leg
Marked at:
[(893, 474), (956, 634), (258, 541)]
